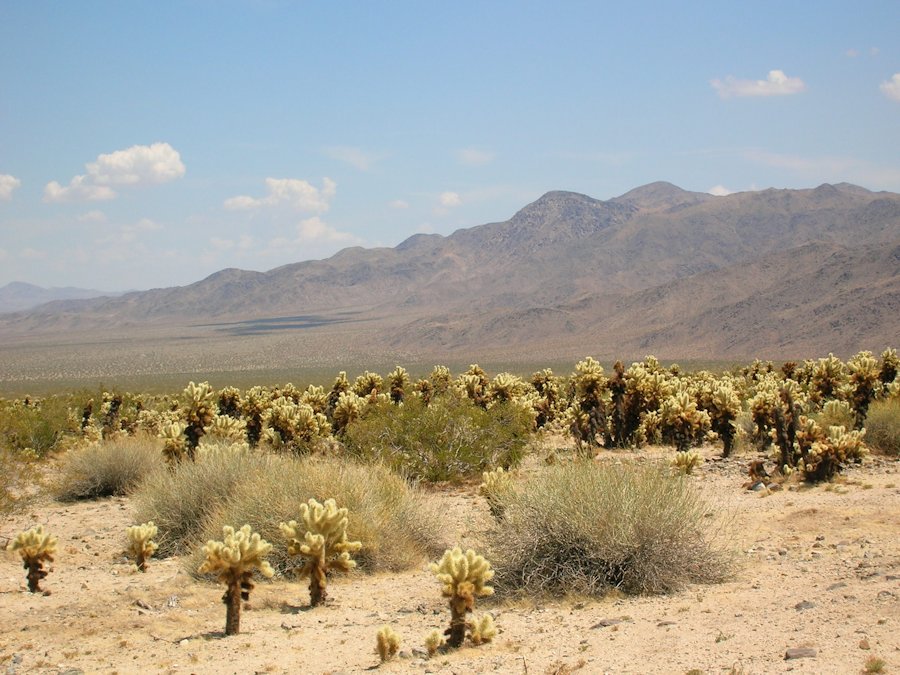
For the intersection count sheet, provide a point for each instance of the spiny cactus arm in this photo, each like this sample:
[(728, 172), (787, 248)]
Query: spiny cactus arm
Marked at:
[(388, 643), (141, 544), (482, 630)]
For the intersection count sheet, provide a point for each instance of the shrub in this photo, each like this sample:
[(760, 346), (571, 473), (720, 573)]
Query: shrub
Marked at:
[(883, 427), (180, 500), (38, 425), (17, 475), (450, 439), (587, 528), (192, 504), (108, 468)]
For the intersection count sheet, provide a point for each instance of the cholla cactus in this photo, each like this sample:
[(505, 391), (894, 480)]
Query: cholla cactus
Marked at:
[(348, 408), (720, 400), (234, 559), (253, 408), (473, 384), (368, 384), (229, 402), (441, 378), (890, 367), (548, 403), (864, 381), (829, 374), (587, 414), (686, 462), (226, 428), (199, 404), (464, 577), (505, 387), (495, 487), (398, 382), (174, 442), (294, 426), (316, 398), (140, 543), (324, 544), (682, 423), (387, 643), (433, 642), (482, 630), (829, 452), (36, 547)]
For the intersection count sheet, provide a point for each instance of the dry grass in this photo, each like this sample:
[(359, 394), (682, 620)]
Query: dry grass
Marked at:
[(883, 427), (106, 469), (586, 528), (18, 475)]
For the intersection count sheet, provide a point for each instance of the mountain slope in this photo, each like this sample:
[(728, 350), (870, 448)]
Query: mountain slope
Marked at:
[(657, 269)]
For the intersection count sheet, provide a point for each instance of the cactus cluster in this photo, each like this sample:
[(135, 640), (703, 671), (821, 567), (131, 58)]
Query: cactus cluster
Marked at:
[(140, 543), (464, 576)]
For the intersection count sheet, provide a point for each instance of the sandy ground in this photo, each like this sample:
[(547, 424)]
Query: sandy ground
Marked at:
[(820, 568)]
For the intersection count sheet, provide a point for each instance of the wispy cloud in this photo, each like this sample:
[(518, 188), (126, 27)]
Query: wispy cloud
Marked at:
[(398, 204), (474, 156), (891, 88), (353, 156), (293, 192), (720, 191), (449, 199), (94, 216), (775, 84), (8, 185), (829, 169), (137, 165)]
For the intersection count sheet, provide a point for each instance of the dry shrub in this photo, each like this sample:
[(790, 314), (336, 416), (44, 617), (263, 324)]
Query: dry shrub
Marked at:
[(883, 427), (587, 528), (396, 528), (179, 500), (108, 468), (18, 475)]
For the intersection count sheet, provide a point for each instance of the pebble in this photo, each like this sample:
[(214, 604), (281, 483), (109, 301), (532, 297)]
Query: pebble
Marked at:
[(800, 653), (804, 604)]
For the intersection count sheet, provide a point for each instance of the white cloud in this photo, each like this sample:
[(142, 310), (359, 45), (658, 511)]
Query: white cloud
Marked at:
[(95, 216), (891, 88), (474, 156), (293, 192), (315, 230), (719, 191), (776, 84), (33, 254), (398, 204), (8, 185), (137, 165), (851, 53), (450, 199), (355, 157)]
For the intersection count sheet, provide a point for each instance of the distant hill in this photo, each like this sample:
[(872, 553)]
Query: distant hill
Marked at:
[(774, 273), (17, 296)]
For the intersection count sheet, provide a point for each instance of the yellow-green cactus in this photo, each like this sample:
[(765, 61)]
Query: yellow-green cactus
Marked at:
[(140, 543), (200, 405), (387, 643), (433, 642), (36, 547), (174, 442), (464, 577), (234, 559), (321, 538), (686, 462), (483, 630), (495, 487)]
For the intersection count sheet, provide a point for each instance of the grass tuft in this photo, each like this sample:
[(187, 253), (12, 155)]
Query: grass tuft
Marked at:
[(883, 427), (586, 528), (106, 469)]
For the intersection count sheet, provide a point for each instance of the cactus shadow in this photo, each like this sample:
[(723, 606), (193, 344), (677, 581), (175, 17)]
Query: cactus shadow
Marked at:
[(288, 608)]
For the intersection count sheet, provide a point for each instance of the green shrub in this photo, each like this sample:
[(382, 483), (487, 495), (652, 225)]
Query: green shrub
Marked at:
[(39, 425), (109, 468), (586, 528), (396, 529), (883, 427), (450, 439)]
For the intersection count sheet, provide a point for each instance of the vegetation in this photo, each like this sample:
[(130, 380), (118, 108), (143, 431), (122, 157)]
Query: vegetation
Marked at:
[(586, 528), (464, 577), (883, 427), (387, 643), (140, 543), (36, 547), (105, 469)]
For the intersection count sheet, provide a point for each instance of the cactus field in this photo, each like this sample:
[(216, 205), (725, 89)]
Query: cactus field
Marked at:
[(622, 518)]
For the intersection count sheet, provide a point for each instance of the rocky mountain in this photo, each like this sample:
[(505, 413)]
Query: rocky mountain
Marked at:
[(18, 296), (659, 269)]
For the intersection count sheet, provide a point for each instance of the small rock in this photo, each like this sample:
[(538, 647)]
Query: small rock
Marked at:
[(864, 644), (606, 623), (836, 586), (663, 624), (804, 605), (800, 653), (782, 551)]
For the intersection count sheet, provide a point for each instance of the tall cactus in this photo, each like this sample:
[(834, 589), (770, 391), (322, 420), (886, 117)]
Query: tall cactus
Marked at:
[(464, 577)]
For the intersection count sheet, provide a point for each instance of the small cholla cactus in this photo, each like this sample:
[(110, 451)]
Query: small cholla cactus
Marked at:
[(464, 577), (234, 559), (140, 543), (174, 442), (347, 408), (433, 642), (324, 544), (686, 462), (36, 547), (483, 630), (398, 381), (200, 406), (388, 643)]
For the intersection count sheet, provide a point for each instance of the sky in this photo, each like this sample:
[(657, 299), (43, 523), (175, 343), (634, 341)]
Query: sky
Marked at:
[(150, 144)]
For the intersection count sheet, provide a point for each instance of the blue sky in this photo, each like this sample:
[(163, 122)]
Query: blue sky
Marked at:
[(148, 144)]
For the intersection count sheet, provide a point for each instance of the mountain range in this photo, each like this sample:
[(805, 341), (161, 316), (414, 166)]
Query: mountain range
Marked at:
[(17, 295), (775, 273)]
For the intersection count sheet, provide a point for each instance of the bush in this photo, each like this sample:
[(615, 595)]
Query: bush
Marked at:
[(38, 425), (181, 499), (395, 527), (587, 528), (883, 427), (106, 469), (17, 475), (450, 439)]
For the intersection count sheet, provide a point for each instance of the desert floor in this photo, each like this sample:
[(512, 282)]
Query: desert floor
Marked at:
[(818, 567)]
